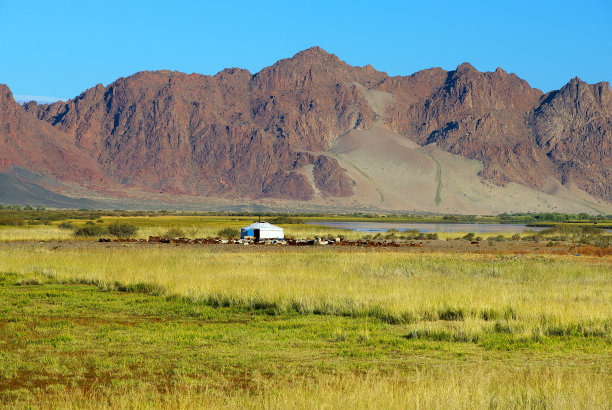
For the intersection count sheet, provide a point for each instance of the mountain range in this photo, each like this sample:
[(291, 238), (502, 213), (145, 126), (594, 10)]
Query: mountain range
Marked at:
[(312, 131)]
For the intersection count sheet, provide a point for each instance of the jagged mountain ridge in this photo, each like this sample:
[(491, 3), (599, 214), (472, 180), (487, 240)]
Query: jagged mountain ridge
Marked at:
[(268, 134), (221, 135), (33, 144)]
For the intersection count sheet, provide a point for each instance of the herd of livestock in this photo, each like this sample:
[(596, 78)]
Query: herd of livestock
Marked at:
[(281, 242)]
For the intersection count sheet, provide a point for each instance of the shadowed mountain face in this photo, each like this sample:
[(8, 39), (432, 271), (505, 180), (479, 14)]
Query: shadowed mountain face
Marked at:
[(271, 134)]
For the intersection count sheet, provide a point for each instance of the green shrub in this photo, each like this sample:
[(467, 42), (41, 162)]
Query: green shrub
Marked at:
[(229, 233), (533, 238), (91, 230), (174, 233), (122, 229), (469, 237), (410, 234), (66, 225), (11, 220), (391, 234)]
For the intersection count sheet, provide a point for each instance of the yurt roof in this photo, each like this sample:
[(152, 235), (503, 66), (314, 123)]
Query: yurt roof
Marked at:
[(263, 226)]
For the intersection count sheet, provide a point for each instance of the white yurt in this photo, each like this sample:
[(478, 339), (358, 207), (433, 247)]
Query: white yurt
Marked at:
[(262, 230)]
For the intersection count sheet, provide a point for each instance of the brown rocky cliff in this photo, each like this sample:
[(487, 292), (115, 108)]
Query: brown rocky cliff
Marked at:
[(574, 127), (481, 116), (312, 98), (330, 179), (29, 143), (520, 135)]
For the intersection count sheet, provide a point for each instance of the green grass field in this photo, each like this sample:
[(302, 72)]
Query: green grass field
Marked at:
[(88, 325)]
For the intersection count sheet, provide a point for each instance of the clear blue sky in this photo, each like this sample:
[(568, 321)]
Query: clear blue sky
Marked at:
[(60, 48)]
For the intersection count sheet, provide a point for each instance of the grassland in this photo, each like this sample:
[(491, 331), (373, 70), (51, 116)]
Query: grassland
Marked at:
[(202, 226), (189, 225), (84, 324), (523, 322)]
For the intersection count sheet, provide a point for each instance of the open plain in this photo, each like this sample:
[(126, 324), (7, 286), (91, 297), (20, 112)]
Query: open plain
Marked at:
[(500, 323)]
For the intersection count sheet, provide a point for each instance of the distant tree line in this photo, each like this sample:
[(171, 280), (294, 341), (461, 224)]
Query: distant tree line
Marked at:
[(30, 214), (551, 217)]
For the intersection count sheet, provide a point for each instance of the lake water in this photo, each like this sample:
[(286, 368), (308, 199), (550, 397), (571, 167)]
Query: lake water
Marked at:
[(425, 227)]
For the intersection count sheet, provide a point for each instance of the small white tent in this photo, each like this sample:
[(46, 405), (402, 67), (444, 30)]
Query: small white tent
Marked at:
[(262, 230)]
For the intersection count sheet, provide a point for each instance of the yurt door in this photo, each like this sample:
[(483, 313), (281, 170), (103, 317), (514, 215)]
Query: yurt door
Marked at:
[(256, 233)]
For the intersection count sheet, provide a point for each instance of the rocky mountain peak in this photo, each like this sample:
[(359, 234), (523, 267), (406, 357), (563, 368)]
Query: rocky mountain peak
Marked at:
[(5, 92), (314, 53), (578, 95), (574, 127), (575, 89), (233, 71), (8, 105), (466, 68)]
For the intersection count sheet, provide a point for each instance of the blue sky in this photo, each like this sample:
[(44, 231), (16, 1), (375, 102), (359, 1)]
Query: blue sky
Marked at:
[(60, 48)]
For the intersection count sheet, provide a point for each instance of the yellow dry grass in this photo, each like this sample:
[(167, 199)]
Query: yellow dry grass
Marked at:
[(452, 386), (543, 291), (33, 233), (457, 299)]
